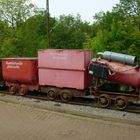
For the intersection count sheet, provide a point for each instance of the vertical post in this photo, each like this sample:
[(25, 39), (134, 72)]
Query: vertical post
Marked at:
[(48, 22)]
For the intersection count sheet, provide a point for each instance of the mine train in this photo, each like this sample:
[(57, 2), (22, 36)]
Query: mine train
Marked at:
[(112, 78)]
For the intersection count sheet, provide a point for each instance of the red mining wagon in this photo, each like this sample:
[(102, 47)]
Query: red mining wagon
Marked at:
[(64, 69), (1, 78), (20, 74)]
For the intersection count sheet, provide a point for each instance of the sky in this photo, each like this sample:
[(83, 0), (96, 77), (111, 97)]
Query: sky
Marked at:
[(86, 8)]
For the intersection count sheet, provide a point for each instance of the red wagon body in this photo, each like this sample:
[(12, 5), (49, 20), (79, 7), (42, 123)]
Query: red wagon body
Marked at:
[(20, 71), (1, 78), (64, 68)]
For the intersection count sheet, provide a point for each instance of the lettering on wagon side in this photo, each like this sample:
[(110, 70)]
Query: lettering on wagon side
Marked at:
[(13, 65)]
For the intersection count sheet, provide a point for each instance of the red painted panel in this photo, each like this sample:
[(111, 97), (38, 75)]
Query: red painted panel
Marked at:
[(21, 70), (64, 78), (64, 59), (64, 68), (1, 71)]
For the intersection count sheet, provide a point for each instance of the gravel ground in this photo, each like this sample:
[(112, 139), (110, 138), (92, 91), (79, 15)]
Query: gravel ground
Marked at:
[(87, 111)]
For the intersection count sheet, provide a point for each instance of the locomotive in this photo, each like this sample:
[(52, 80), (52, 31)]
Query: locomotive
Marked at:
[(110, 78), (116, 78)]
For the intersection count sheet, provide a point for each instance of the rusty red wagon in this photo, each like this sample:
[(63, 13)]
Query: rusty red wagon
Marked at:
[(20, 74)]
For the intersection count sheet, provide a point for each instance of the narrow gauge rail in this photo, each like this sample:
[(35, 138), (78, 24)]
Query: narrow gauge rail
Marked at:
[(81, 101), (132, 108)]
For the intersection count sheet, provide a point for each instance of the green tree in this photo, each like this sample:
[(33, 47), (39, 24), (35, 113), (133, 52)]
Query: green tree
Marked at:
[(70, 32), (4, 31), (15, 12), (33, 34), (118, 30), (131, 9)]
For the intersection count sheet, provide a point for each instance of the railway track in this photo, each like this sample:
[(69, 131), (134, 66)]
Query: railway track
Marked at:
[(132, 108), (81, 101)]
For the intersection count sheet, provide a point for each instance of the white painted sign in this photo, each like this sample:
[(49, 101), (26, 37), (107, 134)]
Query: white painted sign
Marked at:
[(13, 64)]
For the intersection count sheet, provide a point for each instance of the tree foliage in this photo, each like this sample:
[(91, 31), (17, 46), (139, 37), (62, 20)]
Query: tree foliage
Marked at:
[(70, 33), (118, 30), (23, 31), (15, 12)]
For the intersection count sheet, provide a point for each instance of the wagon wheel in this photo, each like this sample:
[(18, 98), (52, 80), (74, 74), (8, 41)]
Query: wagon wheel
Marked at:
[(104, 100), (121, 102), (23, 90), (52, 95), (12, 89), (65, 96)]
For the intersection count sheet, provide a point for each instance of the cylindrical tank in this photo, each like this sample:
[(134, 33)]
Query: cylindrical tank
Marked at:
[(118, 57)]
